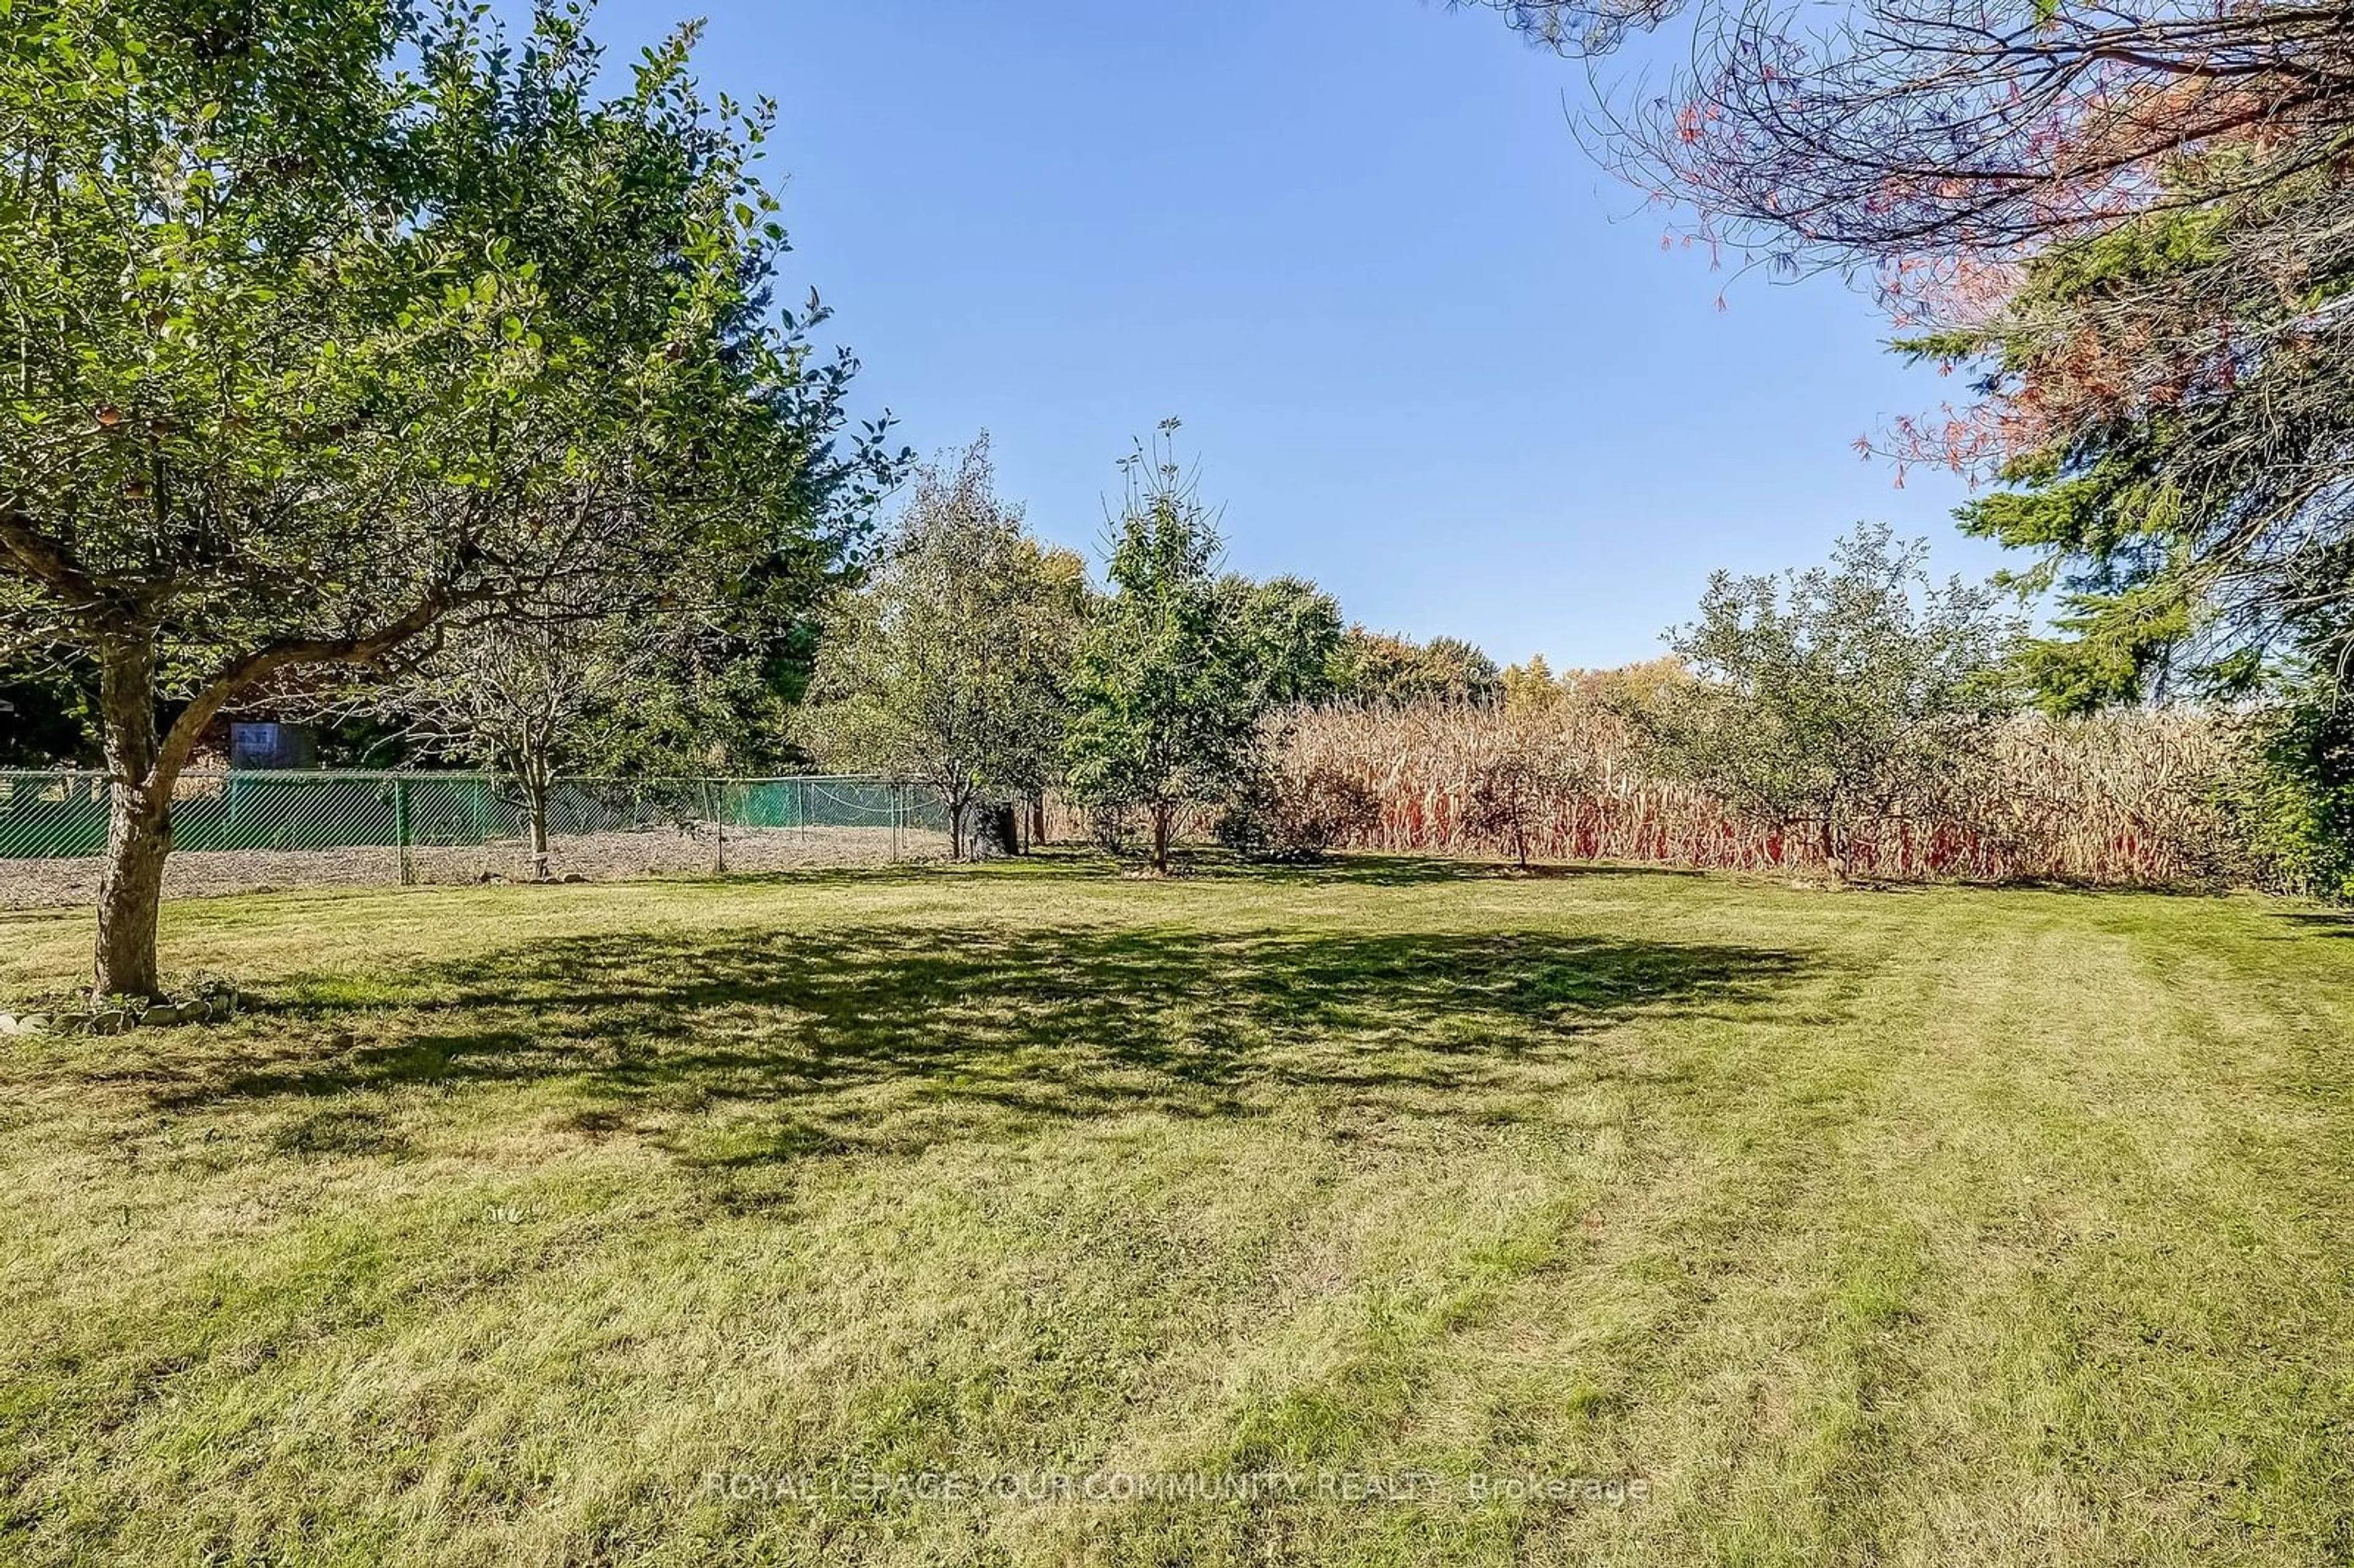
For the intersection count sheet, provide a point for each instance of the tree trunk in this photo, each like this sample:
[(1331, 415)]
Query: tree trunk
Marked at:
[(1835, 848), (130, 894), (138, 821), (1162, 811), (535, 791), (1038, 819), (957, 806)]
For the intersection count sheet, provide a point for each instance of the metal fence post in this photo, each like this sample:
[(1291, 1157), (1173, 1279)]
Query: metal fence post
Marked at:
[(711, 794), (400, 829), (898, 813)]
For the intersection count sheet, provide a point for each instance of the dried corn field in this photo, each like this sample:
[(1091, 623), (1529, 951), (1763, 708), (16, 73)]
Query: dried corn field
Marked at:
[(2126, 800)]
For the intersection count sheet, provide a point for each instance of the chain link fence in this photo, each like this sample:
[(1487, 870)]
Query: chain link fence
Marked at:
[(240, 831)]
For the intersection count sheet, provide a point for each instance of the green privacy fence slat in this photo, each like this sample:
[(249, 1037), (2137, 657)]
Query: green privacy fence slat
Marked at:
[(62, 815)]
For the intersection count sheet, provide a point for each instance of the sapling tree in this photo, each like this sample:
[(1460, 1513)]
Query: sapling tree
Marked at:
[(614, 674), (332, 323), (528, 697), (1520, 783), (1834, 701), (948, 666), (1166, 690)]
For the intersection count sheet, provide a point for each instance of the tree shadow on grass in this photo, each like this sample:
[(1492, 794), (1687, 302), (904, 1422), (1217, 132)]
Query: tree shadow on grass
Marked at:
[(1372, 869), (1400, 871), (770, 1046), (2321, 922)]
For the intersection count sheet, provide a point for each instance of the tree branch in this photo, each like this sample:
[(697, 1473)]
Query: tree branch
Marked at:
[(48, 562), (244, 674)]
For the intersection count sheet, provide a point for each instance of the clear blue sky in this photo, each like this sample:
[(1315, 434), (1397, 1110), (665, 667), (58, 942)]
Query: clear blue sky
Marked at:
[(1427, 354)]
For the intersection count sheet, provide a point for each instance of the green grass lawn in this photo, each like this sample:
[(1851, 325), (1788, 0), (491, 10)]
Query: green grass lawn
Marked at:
[(697, 1223)]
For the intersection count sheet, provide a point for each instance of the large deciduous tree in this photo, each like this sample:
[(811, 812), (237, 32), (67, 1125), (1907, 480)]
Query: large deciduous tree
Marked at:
[(948, 666), (332, 323), (1913, 134), (2130, 220)]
